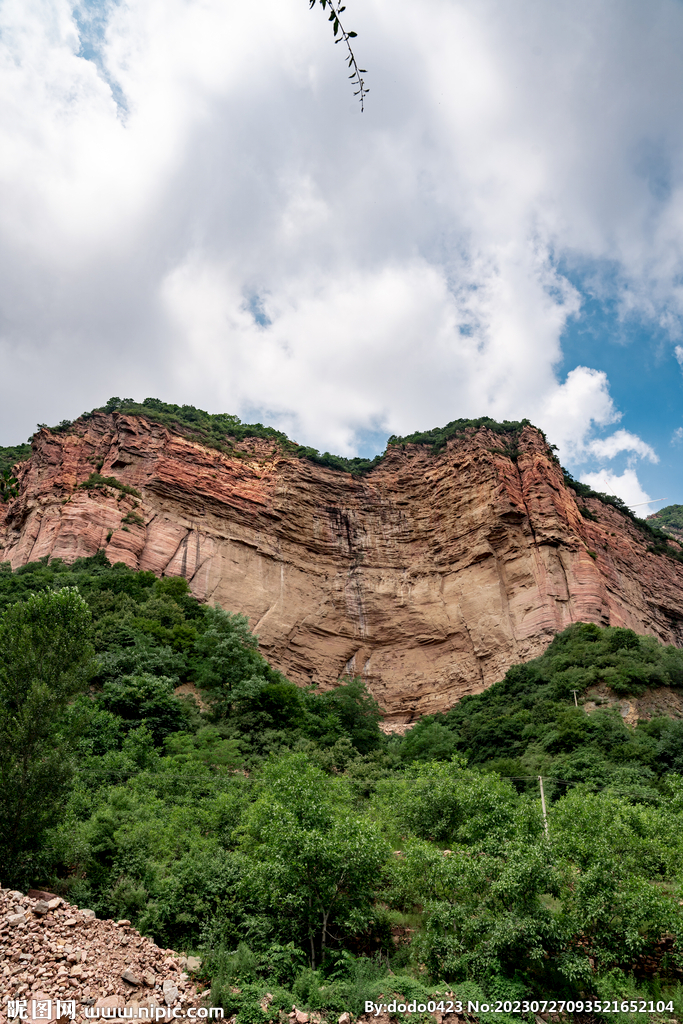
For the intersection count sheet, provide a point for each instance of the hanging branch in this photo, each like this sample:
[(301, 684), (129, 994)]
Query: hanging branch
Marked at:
[(345, 37)]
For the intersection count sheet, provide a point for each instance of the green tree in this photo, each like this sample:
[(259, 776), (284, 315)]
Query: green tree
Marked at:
[(485, 915), (44, 661), (356, 711), (227, 660), (449, 803), (314, 862), (146, 700)]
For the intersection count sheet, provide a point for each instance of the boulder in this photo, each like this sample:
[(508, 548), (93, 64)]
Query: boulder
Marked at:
[(170, 992), (118, 1002)]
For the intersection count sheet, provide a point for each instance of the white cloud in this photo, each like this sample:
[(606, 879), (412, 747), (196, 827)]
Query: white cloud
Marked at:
[(677, 436), (626, 486), (409, 261), (390, 346), (621, 441), (678, 352), (569, 412)]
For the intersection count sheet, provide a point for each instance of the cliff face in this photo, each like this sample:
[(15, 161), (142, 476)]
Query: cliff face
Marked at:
[(429, 576)]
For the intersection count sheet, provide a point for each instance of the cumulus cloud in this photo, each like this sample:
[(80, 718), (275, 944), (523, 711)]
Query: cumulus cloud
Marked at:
[(625, 485), (621, 441), (194, 208), (677, 436), (569, 412)]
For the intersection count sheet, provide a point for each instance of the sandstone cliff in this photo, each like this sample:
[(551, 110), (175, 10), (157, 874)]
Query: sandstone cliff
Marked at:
[(428, 576)]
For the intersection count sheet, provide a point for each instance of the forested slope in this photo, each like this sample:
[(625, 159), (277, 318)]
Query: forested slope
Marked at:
[(277, 831)]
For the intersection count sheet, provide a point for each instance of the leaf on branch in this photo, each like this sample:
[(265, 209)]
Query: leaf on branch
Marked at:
[(342, 36)]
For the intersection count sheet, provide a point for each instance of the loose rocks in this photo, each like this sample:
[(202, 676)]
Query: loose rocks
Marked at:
[(51, 949)]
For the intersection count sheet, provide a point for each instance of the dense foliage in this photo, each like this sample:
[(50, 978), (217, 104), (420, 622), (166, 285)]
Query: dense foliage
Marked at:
[(189, 786), (528, 725), (439, 436), (669, 518), (9, 457), (45, 653)]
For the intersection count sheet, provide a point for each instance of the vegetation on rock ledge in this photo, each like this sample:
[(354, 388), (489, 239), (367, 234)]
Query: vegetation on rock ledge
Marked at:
[(223, 431)]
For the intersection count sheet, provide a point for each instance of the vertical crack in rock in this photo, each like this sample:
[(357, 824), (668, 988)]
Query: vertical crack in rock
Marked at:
[(354, 602)]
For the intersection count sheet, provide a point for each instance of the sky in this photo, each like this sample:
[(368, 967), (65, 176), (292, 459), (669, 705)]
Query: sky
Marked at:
[(195, 209)]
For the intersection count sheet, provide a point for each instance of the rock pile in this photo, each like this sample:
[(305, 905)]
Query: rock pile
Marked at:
[(50, 950)]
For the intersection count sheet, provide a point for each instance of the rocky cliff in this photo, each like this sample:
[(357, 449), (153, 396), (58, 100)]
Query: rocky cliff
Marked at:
[(428, 576)]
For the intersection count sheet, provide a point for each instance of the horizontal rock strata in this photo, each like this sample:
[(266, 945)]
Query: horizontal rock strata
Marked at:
[(428, 576)]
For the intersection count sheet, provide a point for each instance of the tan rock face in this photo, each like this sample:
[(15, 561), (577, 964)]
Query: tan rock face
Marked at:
[(429, 576)]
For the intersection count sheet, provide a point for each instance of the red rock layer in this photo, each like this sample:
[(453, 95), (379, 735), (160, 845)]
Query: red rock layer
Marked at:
[(429, 576)]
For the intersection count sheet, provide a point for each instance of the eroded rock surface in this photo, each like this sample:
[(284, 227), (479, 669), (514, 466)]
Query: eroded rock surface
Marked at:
[(429, 576)]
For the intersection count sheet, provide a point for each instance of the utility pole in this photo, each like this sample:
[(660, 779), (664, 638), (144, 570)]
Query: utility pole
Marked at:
[(576, 703), (545, 817)]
